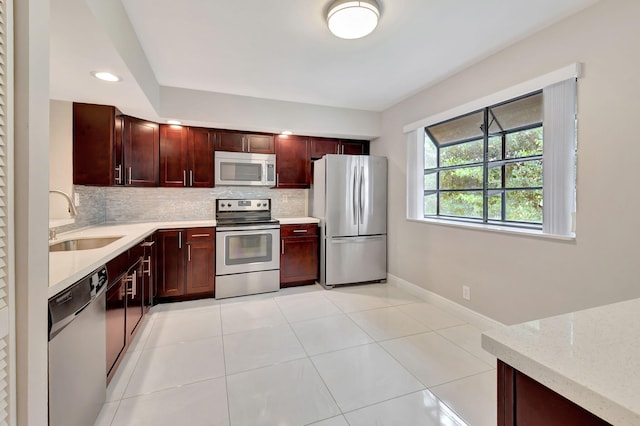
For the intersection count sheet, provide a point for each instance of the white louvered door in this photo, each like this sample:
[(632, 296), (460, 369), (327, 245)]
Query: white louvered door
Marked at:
[(7, 325)]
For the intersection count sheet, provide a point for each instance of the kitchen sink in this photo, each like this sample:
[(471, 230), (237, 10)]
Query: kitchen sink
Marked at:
[(83, 243)]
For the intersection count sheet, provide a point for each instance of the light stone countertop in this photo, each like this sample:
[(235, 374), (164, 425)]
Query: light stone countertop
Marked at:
[(297, 220), (67, 267), (591, 357)]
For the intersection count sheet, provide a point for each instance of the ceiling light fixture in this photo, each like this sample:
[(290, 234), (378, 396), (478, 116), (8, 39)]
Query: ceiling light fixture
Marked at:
[(353, 19), (174, 122), (105, 76), (286, 133)]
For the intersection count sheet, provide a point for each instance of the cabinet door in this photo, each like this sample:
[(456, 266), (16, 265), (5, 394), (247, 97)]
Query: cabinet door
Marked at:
[(141, 157), (354, 147), (93, 144), (135, 297), (149, 271), (298, 260), (293, 164), (116, 327), (323, 146), (260, 144), (229, 141), (173, 155), (200, 174), (200, 261), (170, 266)]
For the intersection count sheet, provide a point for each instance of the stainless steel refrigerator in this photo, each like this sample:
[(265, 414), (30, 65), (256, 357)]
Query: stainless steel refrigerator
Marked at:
[(349, 196)]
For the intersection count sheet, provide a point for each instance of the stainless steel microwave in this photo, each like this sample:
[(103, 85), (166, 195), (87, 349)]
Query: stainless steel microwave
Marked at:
[(244, 169)]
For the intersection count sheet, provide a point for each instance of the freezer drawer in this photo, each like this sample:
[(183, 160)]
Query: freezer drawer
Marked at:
[(354, 259)]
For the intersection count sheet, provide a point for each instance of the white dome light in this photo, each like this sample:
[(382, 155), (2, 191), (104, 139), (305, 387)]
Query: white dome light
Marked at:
[(353, 19), (105, 76)]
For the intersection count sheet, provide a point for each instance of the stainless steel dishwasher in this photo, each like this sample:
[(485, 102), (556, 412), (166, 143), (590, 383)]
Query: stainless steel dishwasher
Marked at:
[(77, 352)]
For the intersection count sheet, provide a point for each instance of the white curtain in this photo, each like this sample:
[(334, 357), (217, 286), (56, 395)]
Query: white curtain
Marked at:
[(415, 168), (559, 157)]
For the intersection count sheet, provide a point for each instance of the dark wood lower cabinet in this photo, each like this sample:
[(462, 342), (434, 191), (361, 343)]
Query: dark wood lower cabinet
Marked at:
[(298, 254), (523, 401), (185, 267), (116, 325)]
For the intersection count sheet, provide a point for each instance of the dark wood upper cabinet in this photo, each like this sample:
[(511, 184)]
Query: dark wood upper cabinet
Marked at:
[(323, 146), (293, 163), (141, 152), (186, 156), (112, 149), (173, 155), (97, 144), (200, 157), (245, 142), (354, 147)]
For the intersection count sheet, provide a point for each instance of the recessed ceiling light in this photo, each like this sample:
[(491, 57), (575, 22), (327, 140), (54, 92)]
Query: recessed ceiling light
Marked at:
[(175, 122), (287, 132), (105, 76), (350, 19)]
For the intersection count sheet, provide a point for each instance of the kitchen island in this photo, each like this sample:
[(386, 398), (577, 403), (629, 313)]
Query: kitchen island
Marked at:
[(589, 357)]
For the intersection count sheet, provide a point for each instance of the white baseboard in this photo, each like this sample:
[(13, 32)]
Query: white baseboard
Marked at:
[(472, 317)]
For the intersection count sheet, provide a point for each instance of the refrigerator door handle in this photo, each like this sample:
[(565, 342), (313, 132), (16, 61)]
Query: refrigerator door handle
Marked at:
[(353, 196), (361, 195)]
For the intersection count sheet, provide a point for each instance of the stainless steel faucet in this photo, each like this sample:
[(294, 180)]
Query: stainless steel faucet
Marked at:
[(72, 210)]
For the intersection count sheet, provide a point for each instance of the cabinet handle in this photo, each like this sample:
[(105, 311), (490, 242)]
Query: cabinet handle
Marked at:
[(282, 246), (179, 240), (118, 177), (338, 149), (188, 252), (243, 144), (199, 235), (190, 177), (184, 178), (300, 230), (147, 262), (248, 145), (277, 178), (132, 281), (129, 176)]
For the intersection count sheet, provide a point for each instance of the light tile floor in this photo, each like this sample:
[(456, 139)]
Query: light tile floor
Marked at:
[(358, 355)]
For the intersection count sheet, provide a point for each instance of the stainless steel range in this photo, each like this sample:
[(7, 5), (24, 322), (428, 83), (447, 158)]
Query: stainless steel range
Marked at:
[(247, 248)]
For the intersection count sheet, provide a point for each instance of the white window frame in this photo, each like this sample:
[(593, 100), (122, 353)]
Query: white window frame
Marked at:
[(554, 213)]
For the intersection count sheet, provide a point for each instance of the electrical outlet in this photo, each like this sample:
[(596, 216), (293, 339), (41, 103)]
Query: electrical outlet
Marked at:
[(466, 292), (76, 199)]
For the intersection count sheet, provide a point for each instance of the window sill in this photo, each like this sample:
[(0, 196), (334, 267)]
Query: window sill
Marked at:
[(495, 228)]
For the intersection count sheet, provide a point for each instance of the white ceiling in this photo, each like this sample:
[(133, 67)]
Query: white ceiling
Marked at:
[(282, 49)]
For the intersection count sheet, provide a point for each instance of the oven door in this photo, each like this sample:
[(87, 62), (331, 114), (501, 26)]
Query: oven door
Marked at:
[(247, 249)]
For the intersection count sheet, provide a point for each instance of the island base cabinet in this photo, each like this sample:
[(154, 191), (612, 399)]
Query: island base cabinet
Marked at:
[(523, 401)]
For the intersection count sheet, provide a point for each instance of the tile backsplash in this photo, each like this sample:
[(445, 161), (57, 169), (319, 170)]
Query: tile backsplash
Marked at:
[(117, 204)]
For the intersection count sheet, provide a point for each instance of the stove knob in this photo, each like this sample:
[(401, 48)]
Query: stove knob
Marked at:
[(229, 205)]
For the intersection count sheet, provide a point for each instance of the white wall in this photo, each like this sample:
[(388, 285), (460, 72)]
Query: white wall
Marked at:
[(60, 157), (517, 278)]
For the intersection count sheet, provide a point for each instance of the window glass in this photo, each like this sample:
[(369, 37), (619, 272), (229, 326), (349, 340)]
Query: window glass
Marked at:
[(461, 178), (526, 174), (463, 153), (459, 156), (524, 143), (462, 204), (524, 206)]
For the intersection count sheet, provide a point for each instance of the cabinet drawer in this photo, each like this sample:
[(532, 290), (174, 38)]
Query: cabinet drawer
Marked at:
[(200, 234), (300, 230)]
